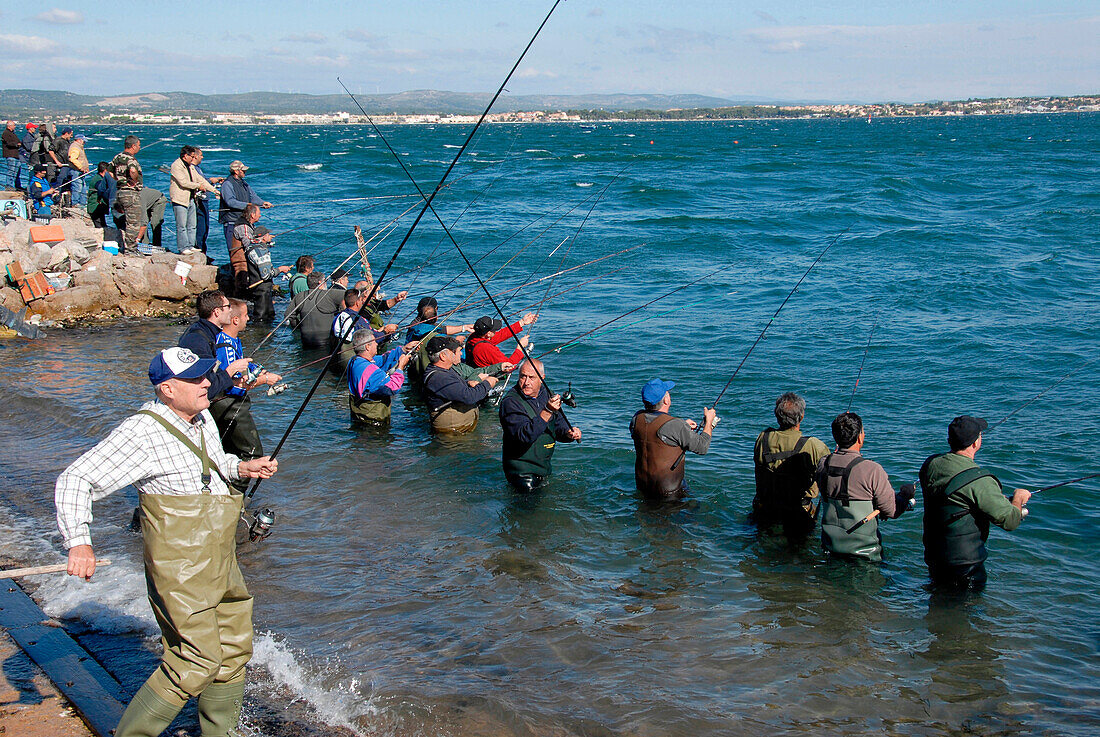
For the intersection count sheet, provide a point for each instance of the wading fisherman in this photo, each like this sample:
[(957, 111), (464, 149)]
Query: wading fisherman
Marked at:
[(312, 312), (236, 193), (345, 324), (201, 337), (252, 267), (660, 439), (232, 411), (853, 488), (303, 267), (960, 500), (481, 348), (454, 391), (373, 379), (533, 425), (376, 306), (427, 310), (170, 452), (785, 461)]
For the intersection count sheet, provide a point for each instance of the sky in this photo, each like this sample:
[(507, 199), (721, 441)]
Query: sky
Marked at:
[(827, 50)]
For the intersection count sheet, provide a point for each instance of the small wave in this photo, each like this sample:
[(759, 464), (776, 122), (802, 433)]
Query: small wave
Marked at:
[(583, 184), (205, 150), (450, 145), (340, 707), (579, 156), (310, 167), (535, 151), (337, 153), (112, 138)]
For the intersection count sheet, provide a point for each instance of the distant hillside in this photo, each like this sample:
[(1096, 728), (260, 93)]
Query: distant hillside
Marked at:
[(23, 103)]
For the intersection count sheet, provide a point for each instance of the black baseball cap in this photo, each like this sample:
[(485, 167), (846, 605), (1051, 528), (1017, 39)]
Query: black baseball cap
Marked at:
[(485, 324), (260, 231), (426, 302), (338, 274), (964, 430), (442, 342)]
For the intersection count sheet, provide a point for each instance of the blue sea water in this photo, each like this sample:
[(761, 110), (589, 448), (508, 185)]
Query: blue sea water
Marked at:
[(407, 591)]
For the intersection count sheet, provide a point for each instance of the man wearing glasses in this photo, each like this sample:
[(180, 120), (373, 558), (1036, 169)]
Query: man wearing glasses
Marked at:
[(200, 338)]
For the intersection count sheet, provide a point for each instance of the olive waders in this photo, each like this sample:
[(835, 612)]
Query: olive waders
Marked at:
[(840, 513), (202, 606)]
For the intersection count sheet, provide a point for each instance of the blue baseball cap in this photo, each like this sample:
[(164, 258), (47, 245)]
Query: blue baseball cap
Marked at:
[(655, 389), (178, 363)]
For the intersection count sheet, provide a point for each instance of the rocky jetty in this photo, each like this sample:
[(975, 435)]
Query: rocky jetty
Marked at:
[(89, 282)]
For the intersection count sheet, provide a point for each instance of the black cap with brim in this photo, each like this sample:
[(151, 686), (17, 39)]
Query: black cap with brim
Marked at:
[(484, 324), (964, 430), (442, 343), (426, 302)]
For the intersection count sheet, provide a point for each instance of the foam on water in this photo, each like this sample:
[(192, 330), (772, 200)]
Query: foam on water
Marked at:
[(310, 167)]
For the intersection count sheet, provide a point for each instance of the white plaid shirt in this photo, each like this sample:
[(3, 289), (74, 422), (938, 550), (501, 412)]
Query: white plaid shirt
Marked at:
[(141, 452)]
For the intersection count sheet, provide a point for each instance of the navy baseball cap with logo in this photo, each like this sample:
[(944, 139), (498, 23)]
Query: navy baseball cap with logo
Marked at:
[(178, 363), (655, 389)]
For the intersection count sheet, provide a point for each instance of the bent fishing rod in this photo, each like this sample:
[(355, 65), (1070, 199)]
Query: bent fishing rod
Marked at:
[(760, 337), (427, 204)]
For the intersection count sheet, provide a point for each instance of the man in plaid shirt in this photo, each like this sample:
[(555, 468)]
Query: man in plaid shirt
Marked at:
[(170, 451)]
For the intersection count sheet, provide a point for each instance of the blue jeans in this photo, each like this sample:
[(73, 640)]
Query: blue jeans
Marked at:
[(202, 224), (78, 186), (185, 226), (15, 173)]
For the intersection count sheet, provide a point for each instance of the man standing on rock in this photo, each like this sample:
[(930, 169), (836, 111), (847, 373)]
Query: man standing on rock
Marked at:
[(185, 184), (149, 201), (11, 156), (236, 194), (169, 451)]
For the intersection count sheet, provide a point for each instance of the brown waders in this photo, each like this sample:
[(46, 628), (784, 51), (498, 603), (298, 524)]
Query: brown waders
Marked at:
[(204, 611), (455, 421)]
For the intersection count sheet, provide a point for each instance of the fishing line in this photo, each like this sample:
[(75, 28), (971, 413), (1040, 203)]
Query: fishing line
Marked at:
[(585, 334), (1031, 401), (760, 337), (397, 252), (513, 290)]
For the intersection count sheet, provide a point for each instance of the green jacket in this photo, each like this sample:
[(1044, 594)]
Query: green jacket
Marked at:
[(956, 526)]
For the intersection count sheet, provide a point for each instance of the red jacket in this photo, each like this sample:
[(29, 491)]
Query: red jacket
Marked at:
[(482, 352)]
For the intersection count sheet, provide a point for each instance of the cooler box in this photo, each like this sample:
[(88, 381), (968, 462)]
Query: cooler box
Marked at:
[(30, 287), (47, 234)]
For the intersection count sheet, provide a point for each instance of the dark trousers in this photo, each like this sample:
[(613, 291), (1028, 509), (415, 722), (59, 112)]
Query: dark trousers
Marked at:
[(263, 303), (525, 481), (202, 224), (970, 577)]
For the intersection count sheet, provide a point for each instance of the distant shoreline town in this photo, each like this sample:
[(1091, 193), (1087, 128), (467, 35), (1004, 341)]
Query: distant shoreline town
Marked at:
[(997, 106)]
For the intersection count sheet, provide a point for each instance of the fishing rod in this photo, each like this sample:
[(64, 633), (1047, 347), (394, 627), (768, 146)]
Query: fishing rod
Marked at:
[(397, 252), (866, 350), (1067, 483), (458, 248), (1031, 401), (636, 309), (513, 290), (492, 250), (760, 337)]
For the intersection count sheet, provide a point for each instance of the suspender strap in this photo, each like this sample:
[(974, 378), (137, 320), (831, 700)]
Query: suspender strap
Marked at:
[(843, 473), (207, 465), (961, 480), (781, 455)]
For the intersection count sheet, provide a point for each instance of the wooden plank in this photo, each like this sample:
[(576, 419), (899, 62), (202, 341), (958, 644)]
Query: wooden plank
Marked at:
[(94, 693)]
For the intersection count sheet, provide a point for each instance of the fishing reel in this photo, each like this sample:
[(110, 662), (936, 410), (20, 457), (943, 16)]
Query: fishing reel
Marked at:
[(568, 398), (276, 389), (261, 525), (253, 373)]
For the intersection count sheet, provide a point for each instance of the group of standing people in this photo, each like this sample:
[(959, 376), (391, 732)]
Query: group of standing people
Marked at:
[(44, 164)]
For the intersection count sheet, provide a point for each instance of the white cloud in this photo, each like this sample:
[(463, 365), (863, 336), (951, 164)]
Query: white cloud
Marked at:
[(26, 44), (536, 74), (358, 34), (61, 17), (305, 38)]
